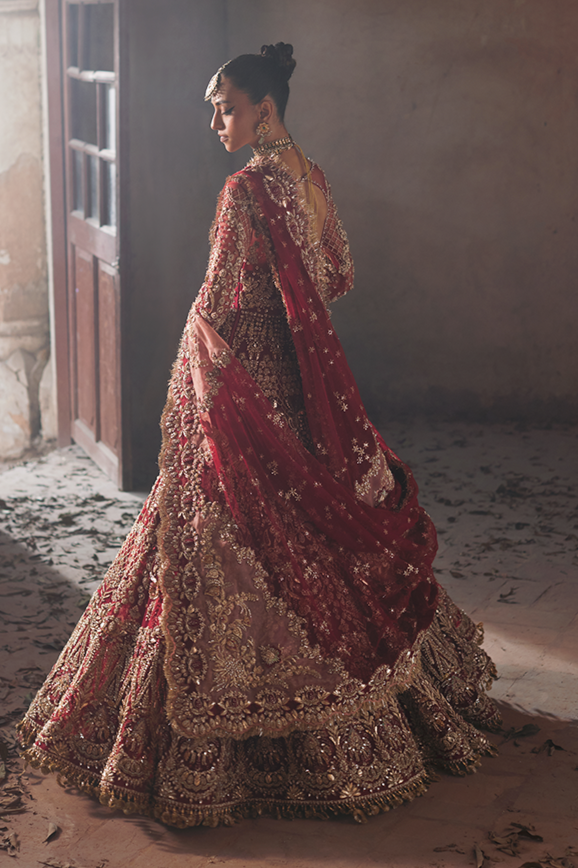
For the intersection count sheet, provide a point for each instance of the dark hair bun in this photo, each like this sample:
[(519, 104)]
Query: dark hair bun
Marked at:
[(282, 54)]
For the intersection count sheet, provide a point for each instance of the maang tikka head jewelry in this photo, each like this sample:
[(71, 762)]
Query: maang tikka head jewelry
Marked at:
[(263, 130), (214, 84)]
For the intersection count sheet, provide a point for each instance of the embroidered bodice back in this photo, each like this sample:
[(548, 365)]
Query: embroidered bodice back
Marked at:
[(241, 297)]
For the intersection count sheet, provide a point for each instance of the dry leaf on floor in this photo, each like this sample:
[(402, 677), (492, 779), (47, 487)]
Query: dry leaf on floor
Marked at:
[(548, 746), (507, 598), (448, 848), (521, 732), (53, 830), (527, 729), (479, 856), (55, 863), (11, 802), (505, 844), (532, 865), (10, 843), (528, 832)]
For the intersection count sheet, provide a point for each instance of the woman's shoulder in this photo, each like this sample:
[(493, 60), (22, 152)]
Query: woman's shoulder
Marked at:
[(246, 184), (241, 187), (319, 177), (237, 190)]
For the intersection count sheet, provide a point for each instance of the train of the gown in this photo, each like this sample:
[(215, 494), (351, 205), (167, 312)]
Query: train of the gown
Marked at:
[(100, 721)]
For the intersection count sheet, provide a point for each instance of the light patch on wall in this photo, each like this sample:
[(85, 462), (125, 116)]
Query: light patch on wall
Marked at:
[(4, 257)]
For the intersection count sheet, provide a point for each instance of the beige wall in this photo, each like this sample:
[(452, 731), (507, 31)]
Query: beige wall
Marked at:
[(24, 331), (449, 133)]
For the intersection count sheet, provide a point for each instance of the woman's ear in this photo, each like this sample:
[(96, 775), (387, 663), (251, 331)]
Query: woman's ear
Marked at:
[(266, 109)]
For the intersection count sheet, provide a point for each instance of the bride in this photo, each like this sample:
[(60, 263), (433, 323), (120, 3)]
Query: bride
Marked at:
[(270, 638)]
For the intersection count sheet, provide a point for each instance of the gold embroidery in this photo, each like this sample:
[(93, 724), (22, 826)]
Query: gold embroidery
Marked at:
[(220, 360), (358, 765)]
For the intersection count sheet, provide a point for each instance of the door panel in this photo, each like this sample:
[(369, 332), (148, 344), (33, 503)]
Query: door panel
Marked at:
[(108, 311), (84, 310), (90, 123)]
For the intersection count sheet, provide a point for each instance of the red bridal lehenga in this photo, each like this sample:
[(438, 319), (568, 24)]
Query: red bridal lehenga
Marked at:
[(270, 638)]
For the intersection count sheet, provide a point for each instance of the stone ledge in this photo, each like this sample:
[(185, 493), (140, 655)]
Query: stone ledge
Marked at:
[(31, 335)]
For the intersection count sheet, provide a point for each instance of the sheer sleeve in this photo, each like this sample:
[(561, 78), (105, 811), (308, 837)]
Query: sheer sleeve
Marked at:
[(337, 261), (230, 239)]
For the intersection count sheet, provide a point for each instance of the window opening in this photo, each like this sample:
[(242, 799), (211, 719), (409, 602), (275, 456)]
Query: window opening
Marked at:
[(92, 127)]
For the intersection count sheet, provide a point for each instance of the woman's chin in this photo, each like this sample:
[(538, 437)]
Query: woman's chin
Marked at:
[(231, 146)]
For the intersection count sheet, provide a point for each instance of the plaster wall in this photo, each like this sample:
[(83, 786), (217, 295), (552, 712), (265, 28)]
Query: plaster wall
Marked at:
[(448, 131), (24, 328)]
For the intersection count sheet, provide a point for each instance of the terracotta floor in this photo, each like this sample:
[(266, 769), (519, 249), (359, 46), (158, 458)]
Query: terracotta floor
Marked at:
[(505, 504)]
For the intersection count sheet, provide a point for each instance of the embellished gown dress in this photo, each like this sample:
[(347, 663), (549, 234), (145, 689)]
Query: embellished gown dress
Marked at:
[(270, 638)]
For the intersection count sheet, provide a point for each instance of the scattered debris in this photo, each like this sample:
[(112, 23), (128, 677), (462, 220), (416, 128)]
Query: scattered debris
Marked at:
[(509, 841), (507, 598), (522, 732), (549, 861), (11, 801), (53, 831), (56, 863), (479, 856), (513, 487), (527, 832), (449, 848), (10, 843), (548, 746)]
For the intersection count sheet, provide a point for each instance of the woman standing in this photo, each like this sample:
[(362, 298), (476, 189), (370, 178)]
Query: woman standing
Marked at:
[(270, 637)]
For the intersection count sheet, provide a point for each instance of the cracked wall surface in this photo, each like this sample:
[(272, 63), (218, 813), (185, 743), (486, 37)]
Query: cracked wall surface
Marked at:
[(24, 324)]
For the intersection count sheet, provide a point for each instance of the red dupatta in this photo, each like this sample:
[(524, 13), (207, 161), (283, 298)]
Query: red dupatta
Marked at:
[(373, 545)]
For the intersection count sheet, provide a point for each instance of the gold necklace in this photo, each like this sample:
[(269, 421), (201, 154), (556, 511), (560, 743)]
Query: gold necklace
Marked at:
[(275, 147)]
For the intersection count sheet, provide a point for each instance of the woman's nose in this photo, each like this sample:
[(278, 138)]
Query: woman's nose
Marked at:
[(217, 121)]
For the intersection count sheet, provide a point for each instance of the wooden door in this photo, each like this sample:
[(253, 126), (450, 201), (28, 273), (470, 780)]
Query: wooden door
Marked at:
[(90, 105)]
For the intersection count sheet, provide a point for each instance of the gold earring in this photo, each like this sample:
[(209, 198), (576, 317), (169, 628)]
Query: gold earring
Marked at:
[(263, 130)]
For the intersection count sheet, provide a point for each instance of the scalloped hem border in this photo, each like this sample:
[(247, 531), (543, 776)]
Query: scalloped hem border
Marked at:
[(360, 809)]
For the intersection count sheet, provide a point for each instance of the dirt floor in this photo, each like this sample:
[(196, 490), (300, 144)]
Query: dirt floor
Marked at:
[(505, 504)]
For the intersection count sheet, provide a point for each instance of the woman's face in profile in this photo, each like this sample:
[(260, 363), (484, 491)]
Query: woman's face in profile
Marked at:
[(235, 118)]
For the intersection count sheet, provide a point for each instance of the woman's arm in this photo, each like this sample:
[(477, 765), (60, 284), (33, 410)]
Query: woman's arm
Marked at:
[(337, 263), (230, 239)]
